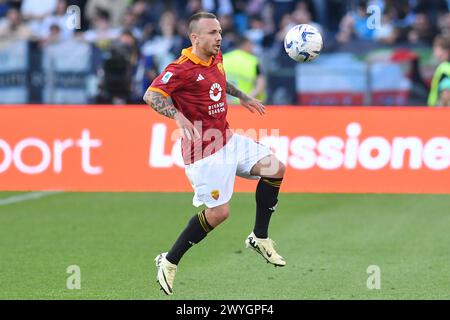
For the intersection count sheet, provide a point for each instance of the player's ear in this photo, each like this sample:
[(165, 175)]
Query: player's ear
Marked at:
[(193, 37)]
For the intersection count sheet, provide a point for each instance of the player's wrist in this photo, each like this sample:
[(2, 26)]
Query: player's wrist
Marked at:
[(246, 97)]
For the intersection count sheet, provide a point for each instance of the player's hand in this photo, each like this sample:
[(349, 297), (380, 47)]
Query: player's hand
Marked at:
[(253, 104), (187, 129)]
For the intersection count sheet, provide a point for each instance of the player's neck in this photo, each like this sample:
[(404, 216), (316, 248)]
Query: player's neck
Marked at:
[(203, 56)]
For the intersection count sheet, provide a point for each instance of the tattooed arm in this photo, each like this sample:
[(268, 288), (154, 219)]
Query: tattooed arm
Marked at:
[(235, 92), (160, 103), (247, 102), (165, 107)]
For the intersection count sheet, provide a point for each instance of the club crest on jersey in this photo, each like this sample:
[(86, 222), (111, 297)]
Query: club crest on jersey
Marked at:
[(221, 69), (215, 92), (215, 194), (166, 77)]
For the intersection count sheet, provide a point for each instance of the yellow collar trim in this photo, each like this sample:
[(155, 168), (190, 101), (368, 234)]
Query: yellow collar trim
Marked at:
[(196, 59)]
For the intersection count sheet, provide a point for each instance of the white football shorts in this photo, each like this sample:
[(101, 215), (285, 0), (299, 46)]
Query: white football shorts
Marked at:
[(212, 177)]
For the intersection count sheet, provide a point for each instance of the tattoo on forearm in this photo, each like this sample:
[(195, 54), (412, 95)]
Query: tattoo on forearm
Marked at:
[(235, 92), (160, 103)]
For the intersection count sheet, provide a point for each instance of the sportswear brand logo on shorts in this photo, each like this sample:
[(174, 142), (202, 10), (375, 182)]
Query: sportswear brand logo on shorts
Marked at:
[(215, 194), (215, 92), (166, 77), (200, 77)]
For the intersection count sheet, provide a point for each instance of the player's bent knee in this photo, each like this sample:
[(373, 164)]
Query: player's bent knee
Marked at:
[(278, 169), (281, 169), (217, 215), (223, 213), (269, 167)]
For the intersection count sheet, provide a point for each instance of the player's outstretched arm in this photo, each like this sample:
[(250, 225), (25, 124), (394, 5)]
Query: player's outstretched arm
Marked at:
[(165, 107), (248, 102), (235, 92)]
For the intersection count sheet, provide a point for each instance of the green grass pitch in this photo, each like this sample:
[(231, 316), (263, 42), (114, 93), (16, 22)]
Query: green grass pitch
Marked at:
[(328, 242)]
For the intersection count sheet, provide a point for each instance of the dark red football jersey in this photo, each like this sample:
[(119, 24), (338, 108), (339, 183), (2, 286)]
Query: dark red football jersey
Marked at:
[(198, 90)]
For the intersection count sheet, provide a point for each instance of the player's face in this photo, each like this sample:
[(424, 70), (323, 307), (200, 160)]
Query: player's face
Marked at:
[(209, 36)]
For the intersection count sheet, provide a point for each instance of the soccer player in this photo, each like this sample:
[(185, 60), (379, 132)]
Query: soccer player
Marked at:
[(196, 84)]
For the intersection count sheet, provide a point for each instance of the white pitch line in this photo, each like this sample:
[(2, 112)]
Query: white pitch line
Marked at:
[(26, 197)]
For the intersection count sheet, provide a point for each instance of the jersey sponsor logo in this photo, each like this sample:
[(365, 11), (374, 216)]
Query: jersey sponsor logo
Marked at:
[(215, 92), (221, 69), (216, 108), (166, 77), (200, 77), (215, 194)]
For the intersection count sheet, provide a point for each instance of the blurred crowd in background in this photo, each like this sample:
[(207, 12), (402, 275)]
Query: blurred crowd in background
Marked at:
[(134, 40)]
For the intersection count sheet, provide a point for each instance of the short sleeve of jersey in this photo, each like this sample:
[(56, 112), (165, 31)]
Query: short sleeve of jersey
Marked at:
[(168, 81)]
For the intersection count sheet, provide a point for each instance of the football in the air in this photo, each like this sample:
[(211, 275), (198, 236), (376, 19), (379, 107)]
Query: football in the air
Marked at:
[(303, 43)]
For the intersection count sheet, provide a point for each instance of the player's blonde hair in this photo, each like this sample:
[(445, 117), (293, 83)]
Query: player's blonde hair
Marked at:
[(192, 23)]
